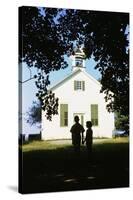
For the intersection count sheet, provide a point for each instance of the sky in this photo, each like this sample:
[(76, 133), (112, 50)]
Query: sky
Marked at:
[(29, 89)]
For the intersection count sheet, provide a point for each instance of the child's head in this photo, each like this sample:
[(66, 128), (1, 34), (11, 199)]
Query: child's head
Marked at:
[(76, 119), (88, 124)]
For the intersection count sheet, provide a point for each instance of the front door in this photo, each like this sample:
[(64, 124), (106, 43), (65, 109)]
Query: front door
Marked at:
[(81, 117)]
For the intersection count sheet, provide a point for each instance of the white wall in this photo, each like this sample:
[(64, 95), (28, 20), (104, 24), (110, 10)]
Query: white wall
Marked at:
[(79, 102)]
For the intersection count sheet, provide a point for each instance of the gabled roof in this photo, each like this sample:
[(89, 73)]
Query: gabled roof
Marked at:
[(71, 75)]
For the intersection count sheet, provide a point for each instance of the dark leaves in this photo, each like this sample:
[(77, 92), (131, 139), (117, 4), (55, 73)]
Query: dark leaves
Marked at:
[(47, 37), (50, 105)]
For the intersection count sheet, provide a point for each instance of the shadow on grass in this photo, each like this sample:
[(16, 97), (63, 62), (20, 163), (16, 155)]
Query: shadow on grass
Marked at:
[(59, 169)]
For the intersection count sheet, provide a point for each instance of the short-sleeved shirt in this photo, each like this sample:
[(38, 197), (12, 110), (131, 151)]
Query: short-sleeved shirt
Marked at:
[(76, 131)]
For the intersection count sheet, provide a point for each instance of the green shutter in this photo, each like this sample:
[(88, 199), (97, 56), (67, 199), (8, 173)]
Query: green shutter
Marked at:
[(83, 85), (63, 115), (94, 114), (74, 85)]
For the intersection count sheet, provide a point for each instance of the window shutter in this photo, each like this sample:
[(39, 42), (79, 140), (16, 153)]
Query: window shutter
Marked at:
[(63, 115), (94, 114), (74, 85), (83, 85)]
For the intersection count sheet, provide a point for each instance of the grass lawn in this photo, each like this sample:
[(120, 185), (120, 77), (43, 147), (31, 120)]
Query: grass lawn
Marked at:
[(50, 166)]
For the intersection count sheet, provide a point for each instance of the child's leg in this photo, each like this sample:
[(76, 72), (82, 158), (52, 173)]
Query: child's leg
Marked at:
[(89, 152)]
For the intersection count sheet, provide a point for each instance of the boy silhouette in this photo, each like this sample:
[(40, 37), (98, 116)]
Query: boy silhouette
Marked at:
[(89, 138), (77, 131)]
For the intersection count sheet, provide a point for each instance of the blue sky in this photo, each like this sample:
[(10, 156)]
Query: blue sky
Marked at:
[(29, 89)]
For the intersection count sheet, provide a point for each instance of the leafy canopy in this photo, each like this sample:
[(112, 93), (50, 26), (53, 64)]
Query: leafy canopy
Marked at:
[(47, 34)]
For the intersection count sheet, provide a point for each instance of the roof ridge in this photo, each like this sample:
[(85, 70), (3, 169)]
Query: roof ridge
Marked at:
[(58, 83), (73, 73)]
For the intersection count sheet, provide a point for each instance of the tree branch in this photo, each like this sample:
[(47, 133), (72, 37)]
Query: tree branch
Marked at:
[(26, 80)]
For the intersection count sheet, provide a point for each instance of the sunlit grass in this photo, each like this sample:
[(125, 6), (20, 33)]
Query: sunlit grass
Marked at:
[(56, 144), (42, 145)]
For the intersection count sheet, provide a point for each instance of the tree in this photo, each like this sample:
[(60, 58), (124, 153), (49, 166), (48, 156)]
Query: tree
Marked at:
[(121, 122), (41, 46), (34, 114), (49, 34), (105, 36)]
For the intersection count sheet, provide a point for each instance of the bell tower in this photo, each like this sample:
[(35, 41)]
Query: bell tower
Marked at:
[(78, 60)]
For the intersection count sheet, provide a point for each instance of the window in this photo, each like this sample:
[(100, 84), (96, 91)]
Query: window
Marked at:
[(79, 62), (63, 115), (79, 85), (94, 114)]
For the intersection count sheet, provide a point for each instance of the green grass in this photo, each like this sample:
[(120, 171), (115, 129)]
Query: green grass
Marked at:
[(50, 166), (42, 145), (55, 144)]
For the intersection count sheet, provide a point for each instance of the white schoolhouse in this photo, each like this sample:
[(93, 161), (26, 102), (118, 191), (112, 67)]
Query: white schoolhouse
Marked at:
[(79, 94)]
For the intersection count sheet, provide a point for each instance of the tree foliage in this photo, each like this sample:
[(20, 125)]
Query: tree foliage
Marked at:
[(41, 46), (121, 121), (105, 36), (34, 114), (49, 34)]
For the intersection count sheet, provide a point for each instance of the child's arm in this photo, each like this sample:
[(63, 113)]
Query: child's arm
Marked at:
[(82, 137)]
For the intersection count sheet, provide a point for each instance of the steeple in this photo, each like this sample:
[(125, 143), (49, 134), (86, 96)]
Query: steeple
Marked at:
[(78, 59)]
